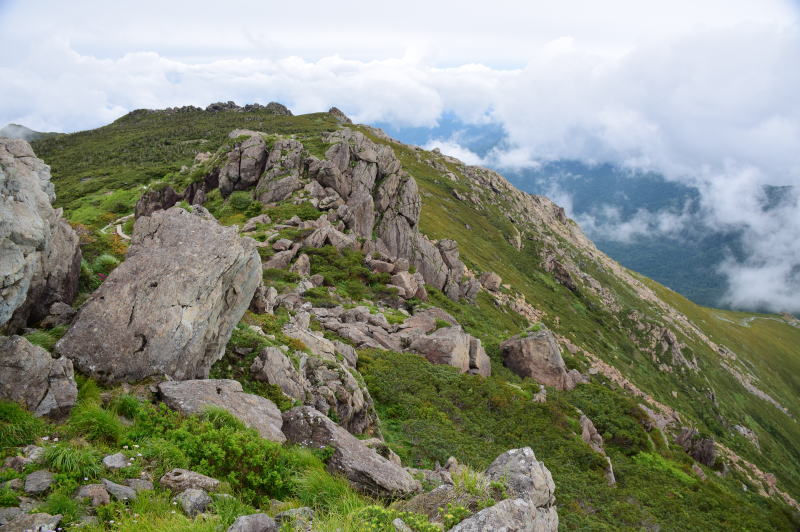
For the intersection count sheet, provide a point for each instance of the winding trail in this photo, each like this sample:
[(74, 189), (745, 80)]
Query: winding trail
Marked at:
[(117, 224)]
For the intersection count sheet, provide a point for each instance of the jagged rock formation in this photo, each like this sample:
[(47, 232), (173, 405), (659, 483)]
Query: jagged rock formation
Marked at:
[(368, 472), (537, 356), (170, 308), (701, 449), (39, 254), (30, 376), (194, 396)]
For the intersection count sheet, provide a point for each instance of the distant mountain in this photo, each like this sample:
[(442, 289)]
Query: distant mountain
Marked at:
[(605, 200), (17, 131)]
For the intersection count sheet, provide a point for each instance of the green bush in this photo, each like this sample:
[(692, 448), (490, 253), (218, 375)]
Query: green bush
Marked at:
[(7, 497), (88, 390), (63, 503), (75, 462), (105, 263), (46, 339), (125, 405), (88, 280), (18, 426)]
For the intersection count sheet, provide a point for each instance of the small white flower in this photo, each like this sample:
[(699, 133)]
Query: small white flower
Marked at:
[(45, 438), (173, 511), (135, 446), (138, 454), (124, 446), (85, 478), (111, 522), (56, 439)]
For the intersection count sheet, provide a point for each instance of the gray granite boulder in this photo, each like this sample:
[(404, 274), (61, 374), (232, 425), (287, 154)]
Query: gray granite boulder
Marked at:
[(30, 376), (193, 396), (171, 306)]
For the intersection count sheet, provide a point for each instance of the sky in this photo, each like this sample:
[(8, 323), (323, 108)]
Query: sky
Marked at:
[(703, 91)]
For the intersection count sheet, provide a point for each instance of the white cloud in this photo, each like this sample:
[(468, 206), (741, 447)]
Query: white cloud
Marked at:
[(453, 149), (704, 92)]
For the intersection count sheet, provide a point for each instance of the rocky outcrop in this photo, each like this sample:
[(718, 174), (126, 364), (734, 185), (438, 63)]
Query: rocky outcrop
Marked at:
[(323, 383), (701, 449), (39, 253), (366, 470), (171, 306), (518, 515), (194, 396), (245, 162), (156, 198), (537, 356), (254, 523), (491, 281), (30, 376), (454, 347)]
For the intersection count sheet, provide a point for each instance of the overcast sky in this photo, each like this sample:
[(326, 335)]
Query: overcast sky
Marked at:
[(705, 91)]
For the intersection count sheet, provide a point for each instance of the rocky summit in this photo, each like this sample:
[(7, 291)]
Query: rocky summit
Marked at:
[(236, 318)]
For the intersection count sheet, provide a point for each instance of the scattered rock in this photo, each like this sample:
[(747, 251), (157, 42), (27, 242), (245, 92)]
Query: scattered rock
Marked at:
[(701, 449), (179, 480), (400, 525), (38, 482), (59, 314), (30, 376), (119, 492), (96, 493), (254, 523), (115, 461), (282, 244), (590, 435), (193, 501), (8, 514), (302, 266), (194, 396), (245, 162), (454, 347), (171, 306), (537, 356), (699, 471), (264, 301), (33, 522), (369, 472), (253, 223), (139, 484), (491, 281)]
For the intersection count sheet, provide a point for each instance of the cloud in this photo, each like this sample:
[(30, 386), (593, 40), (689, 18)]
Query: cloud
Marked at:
[(704, 93), (453, 149)]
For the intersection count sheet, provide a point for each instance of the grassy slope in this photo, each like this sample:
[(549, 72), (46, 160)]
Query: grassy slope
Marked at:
[(98, 176)]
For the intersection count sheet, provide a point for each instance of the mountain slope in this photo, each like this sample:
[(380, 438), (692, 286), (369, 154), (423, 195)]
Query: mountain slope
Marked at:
[(640, 342)]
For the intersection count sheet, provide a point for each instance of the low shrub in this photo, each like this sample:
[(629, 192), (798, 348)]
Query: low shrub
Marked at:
[(96, 424), (18, 426), (74, 461)]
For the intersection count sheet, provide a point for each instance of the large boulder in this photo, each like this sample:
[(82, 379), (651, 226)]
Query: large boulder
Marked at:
[(30, 376), (39, 253), (171, 306), (367, 471), (517, 515), (537, 356), (524, 476), (454, 347), (194, 396)]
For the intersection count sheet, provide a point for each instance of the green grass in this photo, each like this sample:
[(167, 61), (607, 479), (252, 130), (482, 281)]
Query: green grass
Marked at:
[(18, 426)]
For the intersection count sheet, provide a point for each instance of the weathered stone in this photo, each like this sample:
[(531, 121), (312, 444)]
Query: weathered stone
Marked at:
[(278, 189), (524, 476), (537, 356), (179, 480), (40, 522), (701, 449), (96, 493), (194, 396), (118, 491), (282, 244), (479, 362), (369, 472), (254, 523), (8, 514), (517, 515), (590, 435), (264, 301), (327, 385), (38, 482), (448, 345), (281, 260), (339, 115), (39, 252), (171, 306), (253, 223), (302, 266), (491, 281), (158, 198), (406, 283), (115, 461), (193, 501), (245, 162), (139, 484), (30, 376), (59, 314)]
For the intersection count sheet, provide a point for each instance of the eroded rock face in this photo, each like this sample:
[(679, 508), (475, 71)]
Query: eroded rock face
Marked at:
[(368, 472), (30, 376), (325, 384), (245, 162), (193, 396), (171, 306), (39, 254), (537, 356), (701, 449), (525, 477)]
